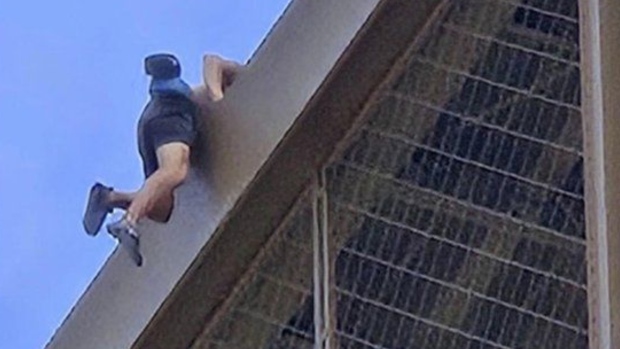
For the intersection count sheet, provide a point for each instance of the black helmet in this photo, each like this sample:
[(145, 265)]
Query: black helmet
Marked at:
[(162, 66)]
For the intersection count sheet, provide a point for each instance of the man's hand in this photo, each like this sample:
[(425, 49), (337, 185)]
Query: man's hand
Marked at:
[(218, 74)]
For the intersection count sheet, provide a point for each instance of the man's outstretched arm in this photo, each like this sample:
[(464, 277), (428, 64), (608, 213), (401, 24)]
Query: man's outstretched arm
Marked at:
[(218, 73)]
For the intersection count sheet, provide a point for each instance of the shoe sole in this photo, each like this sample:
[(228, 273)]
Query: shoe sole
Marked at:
[(95, 211)]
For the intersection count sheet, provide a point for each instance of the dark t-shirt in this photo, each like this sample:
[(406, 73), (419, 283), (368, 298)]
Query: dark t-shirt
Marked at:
[(165, 119)]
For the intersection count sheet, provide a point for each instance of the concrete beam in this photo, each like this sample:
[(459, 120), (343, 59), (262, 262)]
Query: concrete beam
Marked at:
[(600, 66)]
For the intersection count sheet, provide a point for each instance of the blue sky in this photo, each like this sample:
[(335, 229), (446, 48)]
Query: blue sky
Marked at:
[(72, 89)]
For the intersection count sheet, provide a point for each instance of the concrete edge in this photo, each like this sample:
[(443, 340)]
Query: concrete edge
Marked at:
[(600, 96)]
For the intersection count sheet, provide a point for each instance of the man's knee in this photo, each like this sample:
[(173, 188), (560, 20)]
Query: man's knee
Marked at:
[(162, 210), (175, 175)]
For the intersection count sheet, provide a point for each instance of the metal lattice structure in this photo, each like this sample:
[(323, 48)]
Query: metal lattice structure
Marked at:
[(273, 306), (456, 210), (459, 204)]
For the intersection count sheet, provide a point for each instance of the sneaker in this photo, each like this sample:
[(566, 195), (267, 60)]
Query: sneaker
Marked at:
[(128, 238), (96, 208)]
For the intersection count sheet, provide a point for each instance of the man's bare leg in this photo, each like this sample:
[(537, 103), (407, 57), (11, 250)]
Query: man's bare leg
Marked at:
[(155, 199)]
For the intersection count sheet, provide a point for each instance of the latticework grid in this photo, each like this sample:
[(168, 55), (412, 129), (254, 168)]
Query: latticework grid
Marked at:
[(458, 207), (272, 308)]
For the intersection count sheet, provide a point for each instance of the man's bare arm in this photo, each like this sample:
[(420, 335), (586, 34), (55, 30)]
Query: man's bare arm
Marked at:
[(218, 74)]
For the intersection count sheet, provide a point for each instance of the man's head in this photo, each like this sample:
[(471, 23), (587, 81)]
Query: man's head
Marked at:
[(162, 66)]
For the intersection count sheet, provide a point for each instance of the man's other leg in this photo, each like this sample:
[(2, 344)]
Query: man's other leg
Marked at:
[(119, 199)]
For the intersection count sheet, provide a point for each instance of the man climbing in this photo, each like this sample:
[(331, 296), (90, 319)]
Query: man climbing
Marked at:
[(166, 132)]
